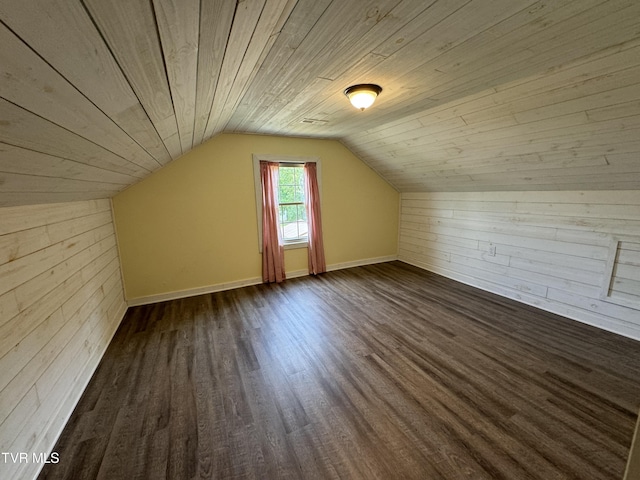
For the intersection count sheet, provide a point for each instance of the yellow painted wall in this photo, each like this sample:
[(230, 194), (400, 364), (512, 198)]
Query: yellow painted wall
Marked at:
[(193, 224)]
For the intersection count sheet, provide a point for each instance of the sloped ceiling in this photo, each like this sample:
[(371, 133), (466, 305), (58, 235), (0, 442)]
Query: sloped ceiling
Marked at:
[(477, 95)]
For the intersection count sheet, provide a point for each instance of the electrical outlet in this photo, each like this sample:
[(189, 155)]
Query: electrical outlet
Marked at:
[(492, 250)]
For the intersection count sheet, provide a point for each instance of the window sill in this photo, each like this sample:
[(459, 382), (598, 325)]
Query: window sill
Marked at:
[(294, 245)]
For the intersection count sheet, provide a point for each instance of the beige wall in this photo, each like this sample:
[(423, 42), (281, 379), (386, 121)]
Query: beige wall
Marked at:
[(193, 224), (61, 300)]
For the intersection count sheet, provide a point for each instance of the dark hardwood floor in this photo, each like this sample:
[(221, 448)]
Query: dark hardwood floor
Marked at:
[(377, 372)]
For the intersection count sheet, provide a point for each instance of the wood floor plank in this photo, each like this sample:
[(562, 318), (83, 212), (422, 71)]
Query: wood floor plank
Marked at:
[(377, 372)]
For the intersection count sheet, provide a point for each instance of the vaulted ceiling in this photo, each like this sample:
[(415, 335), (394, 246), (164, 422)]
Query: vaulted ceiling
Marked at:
[(477, 95)]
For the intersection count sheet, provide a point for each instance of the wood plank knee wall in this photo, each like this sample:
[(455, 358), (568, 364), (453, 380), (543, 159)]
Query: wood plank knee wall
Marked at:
[(61, 300), (547, 249)]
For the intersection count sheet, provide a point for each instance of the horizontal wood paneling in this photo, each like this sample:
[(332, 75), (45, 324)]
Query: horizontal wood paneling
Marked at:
[(621, 284), (61, 299), (548, 249)]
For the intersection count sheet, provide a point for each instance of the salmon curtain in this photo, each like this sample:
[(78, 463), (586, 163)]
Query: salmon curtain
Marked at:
[(317, 262), (272, 249)]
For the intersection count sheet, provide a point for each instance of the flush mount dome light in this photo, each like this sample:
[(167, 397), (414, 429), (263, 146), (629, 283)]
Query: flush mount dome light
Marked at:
[(362, 96)]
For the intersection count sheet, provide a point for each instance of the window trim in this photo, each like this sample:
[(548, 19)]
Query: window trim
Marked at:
[(282, 159)]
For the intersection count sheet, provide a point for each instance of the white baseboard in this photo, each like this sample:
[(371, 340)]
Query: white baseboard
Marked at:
[(64, 413), (298, 273), (361, 263), (220, 287), (192, 292), (589, 318)]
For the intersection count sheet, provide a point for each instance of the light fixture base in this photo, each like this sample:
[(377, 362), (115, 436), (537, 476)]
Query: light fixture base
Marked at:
[(362, 95)]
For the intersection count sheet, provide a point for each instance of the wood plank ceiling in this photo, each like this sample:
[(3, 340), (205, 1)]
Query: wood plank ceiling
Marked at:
[(477, 95)]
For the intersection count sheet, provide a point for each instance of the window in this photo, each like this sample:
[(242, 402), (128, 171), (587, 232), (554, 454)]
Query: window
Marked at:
[(293, 214)]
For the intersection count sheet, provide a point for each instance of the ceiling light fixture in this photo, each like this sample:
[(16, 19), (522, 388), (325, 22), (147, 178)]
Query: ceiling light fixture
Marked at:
[(362, 96)]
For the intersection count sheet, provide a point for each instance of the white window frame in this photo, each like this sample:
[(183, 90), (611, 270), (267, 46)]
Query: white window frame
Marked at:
[(257, 158)]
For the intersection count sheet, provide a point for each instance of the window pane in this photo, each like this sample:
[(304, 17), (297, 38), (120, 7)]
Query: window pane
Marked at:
[(287, 194), (290, 231), (287, 175), (293, 221), (301, 213), (302, 221), (289, 213), (304, 229)]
